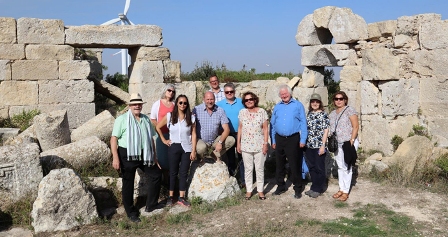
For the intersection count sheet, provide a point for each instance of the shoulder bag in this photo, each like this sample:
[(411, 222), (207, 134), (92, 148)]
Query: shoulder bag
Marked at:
[(333, 138)]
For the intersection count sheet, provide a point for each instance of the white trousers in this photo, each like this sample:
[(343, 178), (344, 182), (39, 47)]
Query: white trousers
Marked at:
[(344, 174), (249, 159)]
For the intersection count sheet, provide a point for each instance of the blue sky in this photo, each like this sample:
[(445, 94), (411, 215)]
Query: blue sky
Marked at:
[(250, 32)]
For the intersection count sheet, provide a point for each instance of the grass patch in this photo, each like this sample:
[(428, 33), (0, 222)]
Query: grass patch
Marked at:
[(199, 206), (18, 213), (340, 204), (21, 121), (182, 218)]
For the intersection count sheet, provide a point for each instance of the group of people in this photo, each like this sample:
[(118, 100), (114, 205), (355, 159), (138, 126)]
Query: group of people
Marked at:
[(234, 128)]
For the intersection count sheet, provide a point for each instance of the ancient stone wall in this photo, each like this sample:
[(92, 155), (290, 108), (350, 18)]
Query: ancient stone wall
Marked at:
[(394, 72)]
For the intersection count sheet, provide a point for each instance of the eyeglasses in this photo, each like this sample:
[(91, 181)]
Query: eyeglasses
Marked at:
[(214, 81), (229, 92), (182, 103), (338, 98), (169, 90), (250, 99)]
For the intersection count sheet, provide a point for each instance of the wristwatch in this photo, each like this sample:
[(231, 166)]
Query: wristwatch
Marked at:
[(352, 140), (219, 141)]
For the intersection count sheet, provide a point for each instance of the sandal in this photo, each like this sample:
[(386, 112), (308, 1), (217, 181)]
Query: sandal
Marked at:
[(248, 197), (261, 197), (343, 197), (337, 195)]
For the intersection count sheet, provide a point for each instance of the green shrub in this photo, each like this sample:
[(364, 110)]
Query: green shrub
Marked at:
[(442, 163), (21, 121), (419, 130), (396, 141)]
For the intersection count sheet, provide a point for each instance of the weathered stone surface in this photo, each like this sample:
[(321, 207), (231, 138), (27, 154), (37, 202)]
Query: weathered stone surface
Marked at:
[(438, 127), (400, 97), (27, 136), (100, 126), (40, 31), (13, 110), (113, 36), (433, 97), (110, 91), (380, 64), (149, 54), (412, 154), (67, 91), (17, 232), (6, 133), (312, 77), (370, 96), (49, 52), (308, 34), (8, 29), (433, 35), (347, 27), (350, 76), (110, 182), (79, 69), (379, 166), (12, 51), (322, 16), (401, 41), (303, 95), (35, 70), (430, 63), (171, 70), (150, 92), (21, 171), (63, 202), (5, 70), (146, 72), (382, 29), (294, 81), (87, 152), (410, 25), (52, 129), (28, 93), (212, 182), (326, 55), (4, 109), (78, 113)]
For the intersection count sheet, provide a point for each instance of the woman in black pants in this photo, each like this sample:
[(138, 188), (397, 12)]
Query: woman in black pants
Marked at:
[(181, 146)]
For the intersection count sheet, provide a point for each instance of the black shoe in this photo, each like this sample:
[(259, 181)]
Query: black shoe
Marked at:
[(297, 195), (158, 206), (134, 219), (279, 191), (308, 192)]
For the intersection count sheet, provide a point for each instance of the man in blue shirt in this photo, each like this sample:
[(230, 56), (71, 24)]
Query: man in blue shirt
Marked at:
[(232, 107), (288, 136)]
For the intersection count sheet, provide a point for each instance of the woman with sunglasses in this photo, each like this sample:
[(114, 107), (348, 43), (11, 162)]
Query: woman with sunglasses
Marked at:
[(318, 126), (344, 120), (158, 110), (181, 146), (252, 142)]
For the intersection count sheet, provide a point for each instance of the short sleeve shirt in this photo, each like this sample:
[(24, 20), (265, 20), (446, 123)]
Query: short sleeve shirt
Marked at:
[(252, 136), (208, 125), (317, 122), (344, 128)]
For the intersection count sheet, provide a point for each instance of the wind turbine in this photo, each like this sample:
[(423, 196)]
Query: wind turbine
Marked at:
[(122, 17)]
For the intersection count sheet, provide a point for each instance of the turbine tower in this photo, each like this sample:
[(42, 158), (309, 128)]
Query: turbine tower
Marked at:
[(122, 17)]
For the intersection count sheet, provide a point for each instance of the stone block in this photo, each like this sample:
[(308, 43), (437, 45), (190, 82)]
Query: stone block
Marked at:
[(8, 28), (303, 95), (52, 129), (4, 110), (326, 55), (5, 70), (77, 113), (370, 98), (434, 35), (438, 127), (350, 76), (399, 97), (430, 64), (312, 77), (66, 91), (380, 64), (12, 51), (113, 36), (322, 16), (35, 70), (14, 110), (347, 27), (150, 92), (309, 34), (6, 133), (74, 69), (40, 31), (149, 54), (187, 88), (146, 72), (18, 93), (382, 29), (100, 126), (401, 41), (49, 52), (171, 70), (433, 98), (411, 25)]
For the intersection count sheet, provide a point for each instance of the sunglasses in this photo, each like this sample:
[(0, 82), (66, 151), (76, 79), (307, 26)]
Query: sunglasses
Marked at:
[(250, 99), (338, 98), (229, 92), (182, 103), (315, 101), (169, 90)]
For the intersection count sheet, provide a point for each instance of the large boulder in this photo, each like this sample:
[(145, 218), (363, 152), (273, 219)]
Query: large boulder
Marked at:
[(63, 202), (212, 182), (27, 136), (52, 129), (309, 34), (20, 171), (100, 126), (86, 152)]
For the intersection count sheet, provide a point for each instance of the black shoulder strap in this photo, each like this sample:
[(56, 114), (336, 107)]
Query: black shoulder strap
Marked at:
[(339, 118)]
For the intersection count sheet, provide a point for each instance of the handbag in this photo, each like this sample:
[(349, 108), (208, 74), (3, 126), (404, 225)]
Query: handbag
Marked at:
[(333, 138)]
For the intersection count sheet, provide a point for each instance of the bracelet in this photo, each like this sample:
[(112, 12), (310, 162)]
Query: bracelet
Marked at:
[(265, 142)]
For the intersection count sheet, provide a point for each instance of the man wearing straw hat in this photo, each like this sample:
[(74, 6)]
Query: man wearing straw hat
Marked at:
[(132, 147)]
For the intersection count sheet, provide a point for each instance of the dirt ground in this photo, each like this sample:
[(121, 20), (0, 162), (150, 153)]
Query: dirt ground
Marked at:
[(277, 215)]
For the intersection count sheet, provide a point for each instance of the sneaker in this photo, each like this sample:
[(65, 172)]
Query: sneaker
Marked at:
[(314, 194), (170, 202), (309, 192), (183, 202), (297, 195), (135, 219)]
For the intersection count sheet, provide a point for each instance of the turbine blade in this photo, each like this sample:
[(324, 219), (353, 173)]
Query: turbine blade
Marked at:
[(126, 7), (116, 53), (111, 21), (131, 23)]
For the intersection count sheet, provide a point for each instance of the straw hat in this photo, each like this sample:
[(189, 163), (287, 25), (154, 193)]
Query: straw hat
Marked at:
[(136, 98)]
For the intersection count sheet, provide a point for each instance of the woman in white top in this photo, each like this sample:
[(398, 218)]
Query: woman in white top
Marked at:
[(158, 110), (181, 145)]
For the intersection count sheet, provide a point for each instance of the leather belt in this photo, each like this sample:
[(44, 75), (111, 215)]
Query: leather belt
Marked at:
[(292, 135)]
